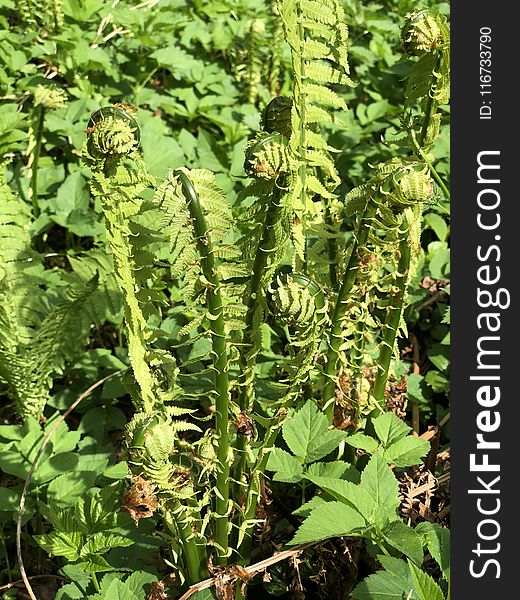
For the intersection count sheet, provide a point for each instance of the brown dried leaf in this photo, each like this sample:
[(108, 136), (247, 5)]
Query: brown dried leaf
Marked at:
[(140, 501)]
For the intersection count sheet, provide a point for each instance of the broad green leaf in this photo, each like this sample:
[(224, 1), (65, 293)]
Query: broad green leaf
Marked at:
[(438, 224), (354, 495), (119, 590), (424, 585), (64, 462), (360, 440), (98, 512), (407, 451), (60, 543), (287, 468), (395, 583), (72, 195), (95, 564), (405, 539), (204, 595), (137, 581), (102, 542), (329, 520), (69, 591), (336, 468), (437, 540), (379, 481), (308, 436), (68, 488), (305, 509), (390, 428)]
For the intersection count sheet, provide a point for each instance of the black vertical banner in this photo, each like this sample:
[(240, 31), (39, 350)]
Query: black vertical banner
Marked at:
[(485, 330)]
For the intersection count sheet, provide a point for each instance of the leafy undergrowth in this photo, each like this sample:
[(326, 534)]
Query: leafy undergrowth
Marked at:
[(255, 299)]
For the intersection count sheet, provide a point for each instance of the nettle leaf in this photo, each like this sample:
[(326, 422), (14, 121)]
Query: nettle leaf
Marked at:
[(395, 583), (118, 590), (70, 591), (69, 487), (354, 495), (407, 451), (287, 468), (308, 436), (403, 538), (137, 581), (437, 540), (332, 519), (102, 542), (98, 512), (60, 543), (94, 563), (305, 509), (424, 585), (379, 481), (362, 441), (337, 469), (389, 428)]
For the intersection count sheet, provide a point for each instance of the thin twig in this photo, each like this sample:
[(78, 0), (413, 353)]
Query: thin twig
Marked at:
[(21, 508), (8, 586), (250, 571)]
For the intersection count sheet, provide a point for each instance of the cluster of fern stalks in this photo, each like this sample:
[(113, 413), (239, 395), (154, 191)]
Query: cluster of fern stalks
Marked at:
[(278, 256)]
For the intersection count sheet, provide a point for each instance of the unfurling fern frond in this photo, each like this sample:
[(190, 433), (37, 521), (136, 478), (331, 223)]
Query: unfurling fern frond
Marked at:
[(119, 177), (300, 304)]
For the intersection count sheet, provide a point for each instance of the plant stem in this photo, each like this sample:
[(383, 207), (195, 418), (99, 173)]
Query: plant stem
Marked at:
[(430, 166), (38, 134), (393, 317), (95, 582), (349, 278), (244, 548), (248, 354), (181, 529), (220, 365), (333, 254)]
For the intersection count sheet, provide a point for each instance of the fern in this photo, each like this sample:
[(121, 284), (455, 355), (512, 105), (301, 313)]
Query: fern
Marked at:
[(119, 176), (47, 13), (39, 332), (317, 35), (28, 369)]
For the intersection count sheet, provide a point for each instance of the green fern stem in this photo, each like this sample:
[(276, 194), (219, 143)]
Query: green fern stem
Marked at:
[(220, 364), (180, 529), (349, 279), (430, 107), (244, 548), (300, 102), (38, 135), (248, 354), (393, 316), (358, 352), (332, 250)]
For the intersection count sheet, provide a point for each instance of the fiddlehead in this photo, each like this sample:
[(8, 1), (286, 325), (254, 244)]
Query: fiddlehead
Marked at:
[(300, 304), (119, 176)]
